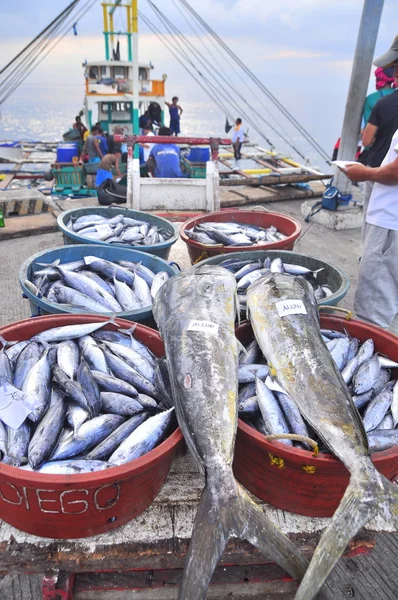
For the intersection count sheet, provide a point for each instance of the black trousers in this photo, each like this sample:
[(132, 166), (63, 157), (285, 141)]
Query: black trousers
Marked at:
[(237, 147)]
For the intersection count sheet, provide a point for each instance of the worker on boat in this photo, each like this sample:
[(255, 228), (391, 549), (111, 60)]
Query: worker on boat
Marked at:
[(106, 165), (79, 126), (164, 159), (175, 114), (238, 137), (91, 146), (376, 296)]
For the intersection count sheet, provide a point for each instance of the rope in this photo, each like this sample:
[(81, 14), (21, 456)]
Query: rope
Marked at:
[(265, 90)]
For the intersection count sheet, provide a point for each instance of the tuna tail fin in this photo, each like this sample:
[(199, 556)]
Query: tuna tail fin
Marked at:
[(225, 512), (361, 502)]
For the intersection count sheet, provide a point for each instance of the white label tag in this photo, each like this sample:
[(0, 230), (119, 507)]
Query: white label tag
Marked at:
[(15, 405), (291, 307), (273, 385), (205, 326)]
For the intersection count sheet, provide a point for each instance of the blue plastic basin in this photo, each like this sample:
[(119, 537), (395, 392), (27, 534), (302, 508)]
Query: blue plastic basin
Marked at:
[(66, 152), (199, 155), (333, 277), (40, 306), (162, 249)]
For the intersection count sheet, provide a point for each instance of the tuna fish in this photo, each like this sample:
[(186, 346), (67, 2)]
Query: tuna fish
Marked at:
[(285, 321), (195, 312)]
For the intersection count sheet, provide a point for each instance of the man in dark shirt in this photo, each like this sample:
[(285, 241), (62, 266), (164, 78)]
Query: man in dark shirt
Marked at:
[(378, 133)]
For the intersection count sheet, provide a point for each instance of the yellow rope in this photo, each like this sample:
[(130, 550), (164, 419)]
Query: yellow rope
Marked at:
[(201, 257), (276, 460)]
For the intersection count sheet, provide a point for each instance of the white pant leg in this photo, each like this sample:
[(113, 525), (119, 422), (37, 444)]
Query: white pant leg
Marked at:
[(367, 192), (376, 295)]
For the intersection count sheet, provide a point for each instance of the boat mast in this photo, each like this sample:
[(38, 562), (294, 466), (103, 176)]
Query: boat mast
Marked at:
[(136, 93), (364, 52)]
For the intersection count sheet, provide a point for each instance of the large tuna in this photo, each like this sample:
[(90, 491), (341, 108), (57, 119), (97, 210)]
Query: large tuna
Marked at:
[(285, 321), (195, 312)]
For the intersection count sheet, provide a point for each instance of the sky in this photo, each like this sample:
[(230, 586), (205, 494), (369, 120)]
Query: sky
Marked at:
[(301, 50)]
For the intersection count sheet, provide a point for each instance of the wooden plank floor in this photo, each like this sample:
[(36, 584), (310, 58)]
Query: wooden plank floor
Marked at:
[(373, 577)]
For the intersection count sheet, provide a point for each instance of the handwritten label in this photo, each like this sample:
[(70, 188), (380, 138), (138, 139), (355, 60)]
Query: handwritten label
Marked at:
[(15, 405), (204, 326), (291, 307)]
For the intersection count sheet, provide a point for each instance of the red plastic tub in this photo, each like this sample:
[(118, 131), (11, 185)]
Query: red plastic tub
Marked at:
[(285, 225), (74, 506), (292, 479)]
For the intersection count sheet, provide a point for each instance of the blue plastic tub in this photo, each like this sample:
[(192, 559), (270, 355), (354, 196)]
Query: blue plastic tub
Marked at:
[(199, 154), (162, 249), (332, 276), (66, 152), (40, 306)]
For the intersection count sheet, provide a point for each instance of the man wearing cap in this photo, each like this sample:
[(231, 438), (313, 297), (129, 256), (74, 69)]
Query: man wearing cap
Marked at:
[(376, 296)]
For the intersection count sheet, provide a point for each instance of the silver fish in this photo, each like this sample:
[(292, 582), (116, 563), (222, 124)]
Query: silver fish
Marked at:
[(294, 347), (27, 358), (159, 279), (68, 332), (68, 357), (73, 467), (271, 412), (18, 443), (76, 416), (120, 404), (6, 372), (92, 353), (108, 383), (203, 374), (382, 439), (90, 388), (37, 386), (394, 404), (143, 439), (90, 434), (378, 407), (47, 432), (108, 446), (366, 375)]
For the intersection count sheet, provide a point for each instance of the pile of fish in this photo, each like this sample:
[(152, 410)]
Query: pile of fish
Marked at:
[(264, 405), (97, 285), (248, 271), (101, 398), (118, 230), (211, 233)]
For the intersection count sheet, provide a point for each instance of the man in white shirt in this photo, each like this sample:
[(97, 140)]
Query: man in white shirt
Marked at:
[(376, 296), (147, 147), (237, 138)]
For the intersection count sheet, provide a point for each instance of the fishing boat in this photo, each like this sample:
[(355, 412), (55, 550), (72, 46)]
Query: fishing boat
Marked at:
[(118, 91)]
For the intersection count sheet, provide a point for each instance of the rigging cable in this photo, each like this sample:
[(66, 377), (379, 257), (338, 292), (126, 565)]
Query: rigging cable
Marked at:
[(64, 32), (39, 35), (27, 61), (231, 64), (170, 28), (255, 79), (166, 43)]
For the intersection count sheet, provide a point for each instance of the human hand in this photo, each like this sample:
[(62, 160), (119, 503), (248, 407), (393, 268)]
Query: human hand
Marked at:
[(357, 172)]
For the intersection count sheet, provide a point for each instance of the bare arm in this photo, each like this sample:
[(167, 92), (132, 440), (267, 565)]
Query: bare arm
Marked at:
[(369, 134), (96, 144), (180, 109), (387, 174)]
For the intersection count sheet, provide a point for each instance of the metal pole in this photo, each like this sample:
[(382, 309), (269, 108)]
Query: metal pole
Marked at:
[(366, 42), (136, 91)]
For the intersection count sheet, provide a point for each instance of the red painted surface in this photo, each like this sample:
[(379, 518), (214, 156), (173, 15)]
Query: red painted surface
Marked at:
[(58, 586), (74, 506), (286, 225), (291, 488)]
